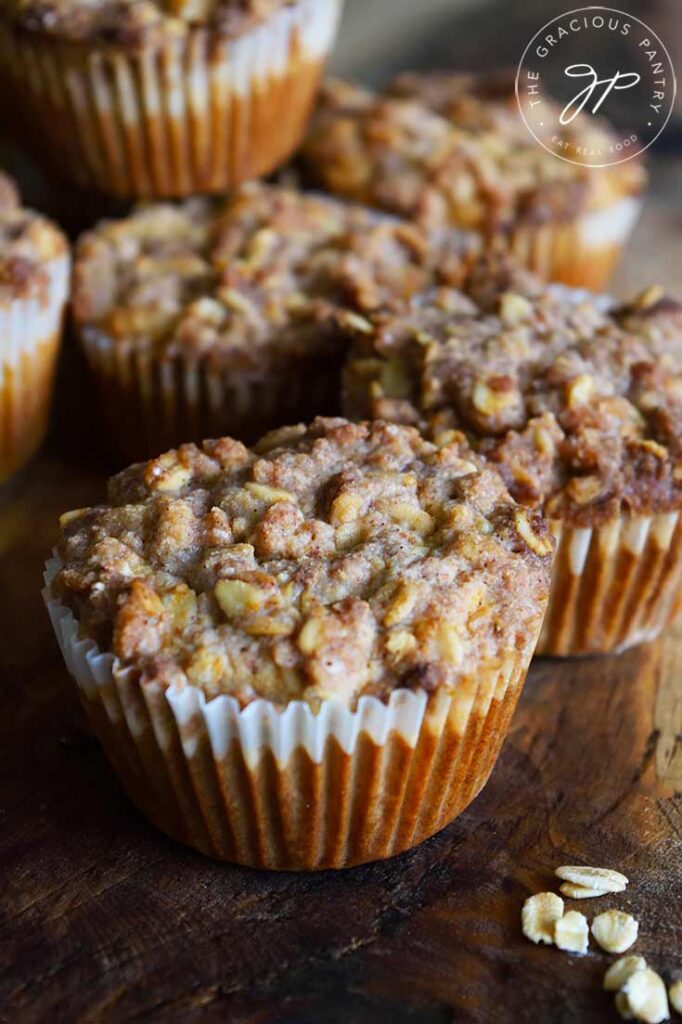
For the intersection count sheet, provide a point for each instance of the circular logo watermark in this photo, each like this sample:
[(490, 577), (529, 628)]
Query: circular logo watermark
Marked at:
[(595, 62)]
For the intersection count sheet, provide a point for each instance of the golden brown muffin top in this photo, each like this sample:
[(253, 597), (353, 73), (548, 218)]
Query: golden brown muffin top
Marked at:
[(334, 560), (132, 23), (446, 148), (28, 244), (258, 275), (576, 400)]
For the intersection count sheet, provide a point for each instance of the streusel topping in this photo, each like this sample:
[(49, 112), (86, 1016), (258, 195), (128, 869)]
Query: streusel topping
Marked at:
[(576, 400), (131, 23), (445, 148), (261, 272), (335, 560), (28, 242)]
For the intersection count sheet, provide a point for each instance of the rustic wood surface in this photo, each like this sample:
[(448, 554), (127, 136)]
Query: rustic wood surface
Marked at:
[(104, 919)]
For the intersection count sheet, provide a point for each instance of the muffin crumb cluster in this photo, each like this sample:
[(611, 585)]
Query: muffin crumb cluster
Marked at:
[(449, 148), (261, 271), (577, 401), (336, 560), (29, 245), (215, 318)]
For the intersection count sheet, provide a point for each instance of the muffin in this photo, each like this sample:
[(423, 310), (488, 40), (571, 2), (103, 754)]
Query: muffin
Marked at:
[(305, 655), (34, 281), (162, 98), (578, 403), (214, 318), (453, 149)]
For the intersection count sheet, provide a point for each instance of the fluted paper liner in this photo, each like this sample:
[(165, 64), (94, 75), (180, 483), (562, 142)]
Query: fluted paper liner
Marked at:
[(30, 329), (152, 403), (614, 585), (293, 789), (199, 113), (581, 252)]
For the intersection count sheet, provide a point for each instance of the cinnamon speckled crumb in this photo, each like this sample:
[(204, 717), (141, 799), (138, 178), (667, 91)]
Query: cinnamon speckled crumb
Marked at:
[(449, 148), (578, 402), (336, 560), (28, 242), (260, 274)]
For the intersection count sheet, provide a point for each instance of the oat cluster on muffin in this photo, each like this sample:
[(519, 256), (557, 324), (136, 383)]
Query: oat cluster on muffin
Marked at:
[(331, 561), (448, 148), (577, 402), (29, 244), (253, 274), (452, 149), (575, 399), (212, 318)]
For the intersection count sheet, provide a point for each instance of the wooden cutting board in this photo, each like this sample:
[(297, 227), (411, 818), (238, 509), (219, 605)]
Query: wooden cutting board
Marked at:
[(104, 919)]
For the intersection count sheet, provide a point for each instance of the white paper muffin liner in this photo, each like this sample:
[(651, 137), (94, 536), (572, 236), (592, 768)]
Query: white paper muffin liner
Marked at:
[(151, 403), (614, 585), (293, 788), (581, 252), (30, 329), (192, 114)]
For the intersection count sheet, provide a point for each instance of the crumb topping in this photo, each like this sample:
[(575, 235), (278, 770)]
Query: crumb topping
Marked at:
[(28, 242), (577, 401), (446, 148), (261, 273), (330, 561), (133, 23)]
